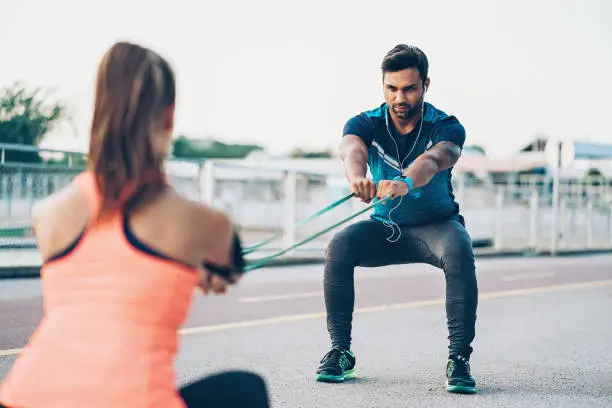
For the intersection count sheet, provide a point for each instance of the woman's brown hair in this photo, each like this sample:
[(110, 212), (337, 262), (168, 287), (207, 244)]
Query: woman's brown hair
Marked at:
[(134, 87)]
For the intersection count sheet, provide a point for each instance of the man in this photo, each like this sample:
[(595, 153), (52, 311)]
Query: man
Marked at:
[(410, 147)]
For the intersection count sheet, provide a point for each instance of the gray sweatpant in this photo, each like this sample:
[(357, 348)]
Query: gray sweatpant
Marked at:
[(445, 245)]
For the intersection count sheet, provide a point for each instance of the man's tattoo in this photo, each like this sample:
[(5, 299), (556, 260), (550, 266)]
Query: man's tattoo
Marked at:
[(445, 154)]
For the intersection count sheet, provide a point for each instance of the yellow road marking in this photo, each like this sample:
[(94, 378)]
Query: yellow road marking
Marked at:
[(10, 352), (373, 309)]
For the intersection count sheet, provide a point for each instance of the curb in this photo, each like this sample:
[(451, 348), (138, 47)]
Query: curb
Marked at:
[(19, 272), (31, 244), (33, 271)]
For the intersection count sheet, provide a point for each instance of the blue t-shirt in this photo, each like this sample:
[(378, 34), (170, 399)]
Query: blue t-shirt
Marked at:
[(390, 153)]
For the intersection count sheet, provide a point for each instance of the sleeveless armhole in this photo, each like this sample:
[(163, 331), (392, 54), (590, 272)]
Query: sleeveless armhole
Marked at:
[(136, 243), (85, 183)]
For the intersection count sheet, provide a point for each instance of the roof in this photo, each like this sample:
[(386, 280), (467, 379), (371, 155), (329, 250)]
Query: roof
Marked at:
[(518, 162)]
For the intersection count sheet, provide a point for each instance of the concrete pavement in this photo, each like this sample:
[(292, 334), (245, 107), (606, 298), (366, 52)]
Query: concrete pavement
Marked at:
[(543, 335)]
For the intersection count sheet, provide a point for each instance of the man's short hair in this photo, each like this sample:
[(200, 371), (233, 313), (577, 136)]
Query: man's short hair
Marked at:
[(404, 56)]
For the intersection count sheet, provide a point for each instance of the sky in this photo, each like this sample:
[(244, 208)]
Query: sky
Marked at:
[(288, 74)]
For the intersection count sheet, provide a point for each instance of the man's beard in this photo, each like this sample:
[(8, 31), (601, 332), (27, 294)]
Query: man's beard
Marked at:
[(409, 112)]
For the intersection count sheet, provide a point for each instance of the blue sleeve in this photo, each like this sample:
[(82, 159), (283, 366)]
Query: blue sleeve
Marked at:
[(360, 126), (449, 130)]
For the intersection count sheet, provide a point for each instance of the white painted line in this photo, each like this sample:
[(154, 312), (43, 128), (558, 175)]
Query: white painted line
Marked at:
[(288, 296), (527, 276), (373, 309)]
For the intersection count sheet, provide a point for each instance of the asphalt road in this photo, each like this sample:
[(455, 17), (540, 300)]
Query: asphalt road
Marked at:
[(544, 334)]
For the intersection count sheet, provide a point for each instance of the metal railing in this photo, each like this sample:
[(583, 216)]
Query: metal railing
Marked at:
[(519, 214), (264, 199)]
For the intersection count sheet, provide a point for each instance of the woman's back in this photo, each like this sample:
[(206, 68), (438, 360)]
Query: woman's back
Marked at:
[(112, 303), (122, 254)]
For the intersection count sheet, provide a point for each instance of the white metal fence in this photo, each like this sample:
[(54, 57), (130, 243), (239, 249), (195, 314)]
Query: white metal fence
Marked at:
[(511, 215), (519, 215)]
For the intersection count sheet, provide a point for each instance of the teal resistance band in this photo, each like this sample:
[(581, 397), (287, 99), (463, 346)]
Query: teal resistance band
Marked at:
[(264, 261), (330, 207)]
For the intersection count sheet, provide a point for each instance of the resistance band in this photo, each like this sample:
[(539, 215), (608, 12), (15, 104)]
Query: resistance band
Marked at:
[(330, 207), (260, 263)]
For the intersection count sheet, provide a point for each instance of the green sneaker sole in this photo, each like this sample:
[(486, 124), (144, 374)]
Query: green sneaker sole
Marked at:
[(460, 389), (348, 375)]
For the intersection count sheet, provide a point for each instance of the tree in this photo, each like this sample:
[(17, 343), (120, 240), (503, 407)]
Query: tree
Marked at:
[(25, 118), (594, 176), (181, 147), (594, 172), (208, 148), (302, 154)]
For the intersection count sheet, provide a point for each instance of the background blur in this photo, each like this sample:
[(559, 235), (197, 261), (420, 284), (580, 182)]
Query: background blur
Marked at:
[(270, 84), (264, 90)]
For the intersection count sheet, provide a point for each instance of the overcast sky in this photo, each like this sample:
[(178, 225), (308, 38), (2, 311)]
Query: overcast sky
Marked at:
[(288, 74)]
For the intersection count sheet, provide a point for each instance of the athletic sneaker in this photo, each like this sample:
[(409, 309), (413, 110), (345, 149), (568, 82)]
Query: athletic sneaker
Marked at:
[(458, 377), (337, 365)]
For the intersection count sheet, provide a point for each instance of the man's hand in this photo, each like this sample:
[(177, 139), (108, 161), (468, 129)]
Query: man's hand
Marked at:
[(393, 188), (364, 188)]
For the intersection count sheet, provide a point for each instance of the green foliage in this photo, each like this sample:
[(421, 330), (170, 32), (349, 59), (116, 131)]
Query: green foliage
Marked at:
[(593, 172), (77, 160), (209, 149), (594, 176), (25, 118), (303, 154)]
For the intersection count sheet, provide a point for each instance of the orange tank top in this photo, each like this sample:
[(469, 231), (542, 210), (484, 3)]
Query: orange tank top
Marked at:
[(109, 332)]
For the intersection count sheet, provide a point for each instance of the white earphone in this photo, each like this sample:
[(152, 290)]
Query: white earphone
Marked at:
[(391, 224)]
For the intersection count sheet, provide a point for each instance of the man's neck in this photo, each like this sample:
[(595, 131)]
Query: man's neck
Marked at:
[(405, 126)]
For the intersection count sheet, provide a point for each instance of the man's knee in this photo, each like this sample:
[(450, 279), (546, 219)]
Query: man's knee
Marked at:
[(458, 254), (344, 246)]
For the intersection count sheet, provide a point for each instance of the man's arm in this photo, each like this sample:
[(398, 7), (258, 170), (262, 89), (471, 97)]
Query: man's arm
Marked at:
[(448, 141), (441, 156), (445, 153), (357, 137), (354, 155)]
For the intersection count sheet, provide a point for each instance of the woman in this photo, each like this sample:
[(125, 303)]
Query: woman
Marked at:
[(122, 256)]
